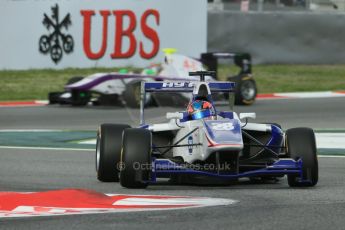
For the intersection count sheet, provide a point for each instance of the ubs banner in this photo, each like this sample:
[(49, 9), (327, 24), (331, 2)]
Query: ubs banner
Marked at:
[(88, 33)]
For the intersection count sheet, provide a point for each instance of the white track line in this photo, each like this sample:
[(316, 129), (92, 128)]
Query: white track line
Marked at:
[(330, 140), (330, 156), (322, 94), (45, 148), (87, 142), (32, 130)]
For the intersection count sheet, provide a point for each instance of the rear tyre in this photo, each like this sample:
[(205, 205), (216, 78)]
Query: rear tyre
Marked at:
[(300, 143), (108, 151), (79, 97), (245, 91), (136, 158), (131, 95)]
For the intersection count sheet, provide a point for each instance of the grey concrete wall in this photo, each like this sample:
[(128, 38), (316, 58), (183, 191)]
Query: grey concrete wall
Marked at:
[(271, 37)]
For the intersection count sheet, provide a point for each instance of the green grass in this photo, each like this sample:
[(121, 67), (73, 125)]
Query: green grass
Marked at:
[(297, 78), (35, 84), (283, 78)]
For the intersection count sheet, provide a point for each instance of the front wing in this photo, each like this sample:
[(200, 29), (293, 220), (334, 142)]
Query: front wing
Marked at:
[(166, 167)]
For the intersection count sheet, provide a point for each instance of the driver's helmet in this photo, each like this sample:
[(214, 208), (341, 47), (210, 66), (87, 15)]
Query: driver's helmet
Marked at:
[(199, 109)]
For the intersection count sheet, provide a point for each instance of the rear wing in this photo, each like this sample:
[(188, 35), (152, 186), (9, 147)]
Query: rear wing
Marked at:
[(242, 60), (180, 87), (186, 86)]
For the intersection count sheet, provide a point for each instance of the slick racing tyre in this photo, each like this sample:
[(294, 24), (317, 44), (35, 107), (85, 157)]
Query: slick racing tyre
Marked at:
[(245, 92), (136, 158), (301, 144), (132, 96), (108, 151), (79, 97), (74, 80), (54, 97)]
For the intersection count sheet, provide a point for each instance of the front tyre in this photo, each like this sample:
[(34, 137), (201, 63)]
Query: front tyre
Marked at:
[(54, 97), (108, 151), (136, 158), (300, 143)]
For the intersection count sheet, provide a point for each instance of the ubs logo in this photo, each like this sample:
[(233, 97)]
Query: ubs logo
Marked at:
[(56, 42)]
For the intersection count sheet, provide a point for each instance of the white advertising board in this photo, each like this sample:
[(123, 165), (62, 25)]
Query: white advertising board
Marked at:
[(107, 33)]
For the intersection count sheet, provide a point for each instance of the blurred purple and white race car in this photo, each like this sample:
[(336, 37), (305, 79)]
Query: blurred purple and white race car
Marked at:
[(123, 88)]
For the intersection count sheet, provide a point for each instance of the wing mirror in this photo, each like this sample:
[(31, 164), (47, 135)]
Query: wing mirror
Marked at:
[(176, 115), (247, 115)]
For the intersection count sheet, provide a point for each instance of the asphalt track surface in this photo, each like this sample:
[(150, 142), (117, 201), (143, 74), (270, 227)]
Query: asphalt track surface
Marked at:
[(317, 113), (260, 206)]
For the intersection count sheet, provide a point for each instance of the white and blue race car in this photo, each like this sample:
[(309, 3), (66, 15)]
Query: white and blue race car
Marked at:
[(203, 144)]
